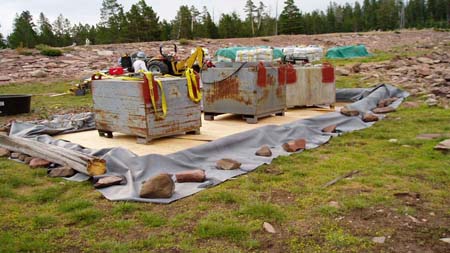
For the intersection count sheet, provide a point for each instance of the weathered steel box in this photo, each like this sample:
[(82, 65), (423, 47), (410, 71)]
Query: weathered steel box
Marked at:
[(125, 107), (247, 89), (310, 88)]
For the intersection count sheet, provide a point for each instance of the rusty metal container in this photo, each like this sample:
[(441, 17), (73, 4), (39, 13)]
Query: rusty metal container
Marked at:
[(124, 107), (311, 88), (233, 87)]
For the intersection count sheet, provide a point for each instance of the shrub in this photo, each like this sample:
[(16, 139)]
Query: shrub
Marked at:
[(51, 52), (184, 42), (24, 51)]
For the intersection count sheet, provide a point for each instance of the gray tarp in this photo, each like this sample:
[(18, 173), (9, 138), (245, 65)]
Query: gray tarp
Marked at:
[(240, 147)]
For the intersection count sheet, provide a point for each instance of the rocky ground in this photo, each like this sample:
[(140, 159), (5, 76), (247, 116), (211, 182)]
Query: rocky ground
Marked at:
[(80, 61)]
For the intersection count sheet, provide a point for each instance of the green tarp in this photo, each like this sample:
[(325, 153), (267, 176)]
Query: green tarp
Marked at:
[(347, 52)]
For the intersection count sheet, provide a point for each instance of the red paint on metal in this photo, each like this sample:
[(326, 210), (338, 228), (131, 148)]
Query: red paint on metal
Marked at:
[(327, 73), (291, 74), (282, 74), (262, 75)]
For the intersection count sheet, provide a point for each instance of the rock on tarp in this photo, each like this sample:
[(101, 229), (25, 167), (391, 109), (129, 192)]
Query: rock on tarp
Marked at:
[(347, 52)]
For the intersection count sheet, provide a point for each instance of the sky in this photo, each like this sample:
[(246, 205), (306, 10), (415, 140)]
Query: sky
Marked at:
[(88, 11)]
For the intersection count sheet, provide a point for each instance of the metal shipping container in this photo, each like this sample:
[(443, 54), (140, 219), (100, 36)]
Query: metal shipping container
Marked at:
[(309, 89), (121, 106), (233, 88)]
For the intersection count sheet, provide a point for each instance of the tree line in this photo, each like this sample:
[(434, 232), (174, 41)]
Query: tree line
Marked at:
[(141, 23)]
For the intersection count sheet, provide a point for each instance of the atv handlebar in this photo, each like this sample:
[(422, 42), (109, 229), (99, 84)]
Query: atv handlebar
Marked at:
[(165, 55)]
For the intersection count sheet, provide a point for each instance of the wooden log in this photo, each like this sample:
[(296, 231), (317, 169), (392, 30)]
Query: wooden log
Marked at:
[(78, 161)]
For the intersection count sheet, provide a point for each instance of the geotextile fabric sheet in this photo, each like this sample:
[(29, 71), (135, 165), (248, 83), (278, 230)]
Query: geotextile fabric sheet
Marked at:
[(240, 147)]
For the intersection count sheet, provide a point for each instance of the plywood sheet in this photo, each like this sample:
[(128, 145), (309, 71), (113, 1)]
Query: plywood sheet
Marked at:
[(223, 125)]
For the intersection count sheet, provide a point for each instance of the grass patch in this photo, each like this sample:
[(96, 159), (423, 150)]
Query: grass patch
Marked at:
[(85, 216), (225, 197), (49, 194), (44, 221), (122, 208), (264, 211), (219, 226), (74, 205), (153, 220)]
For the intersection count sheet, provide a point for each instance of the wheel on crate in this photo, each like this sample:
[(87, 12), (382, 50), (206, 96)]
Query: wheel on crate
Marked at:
[(280, 113), (332, 106), (251, 119), (106, 134), (208, 117), (195, 132)]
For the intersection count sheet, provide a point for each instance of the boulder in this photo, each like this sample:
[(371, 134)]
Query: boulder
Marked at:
[(4, 152), (228, 164), (197, 175), (38, 162), (160, 186), (264, 151), (294, 146)]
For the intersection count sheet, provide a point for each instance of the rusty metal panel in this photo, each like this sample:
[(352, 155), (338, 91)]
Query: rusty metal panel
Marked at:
[(309, 89), (228, 88), (120, 107)]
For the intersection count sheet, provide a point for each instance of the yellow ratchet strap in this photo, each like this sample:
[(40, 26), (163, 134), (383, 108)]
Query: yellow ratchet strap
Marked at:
[(149, 76), (192, 84)]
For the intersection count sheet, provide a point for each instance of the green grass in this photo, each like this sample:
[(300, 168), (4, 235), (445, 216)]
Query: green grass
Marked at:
[(153, 219), (42, 104)]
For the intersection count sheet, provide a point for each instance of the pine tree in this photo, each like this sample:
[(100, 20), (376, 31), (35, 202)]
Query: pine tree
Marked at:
[(62, 30), (209, 28), (23, 31), (250, 9), (358, 22), (46, 35), (230, 26), (2, 41), (166, 29), (149, 28), (182, 23), (290, 20)]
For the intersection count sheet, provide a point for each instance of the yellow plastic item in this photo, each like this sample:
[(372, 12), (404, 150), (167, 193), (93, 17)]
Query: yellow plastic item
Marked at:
[(149, 76), (192, 84)]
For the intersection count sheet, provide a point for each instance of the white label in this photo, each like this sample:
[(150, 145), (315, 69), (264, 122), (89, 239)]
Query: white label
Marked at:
[(2, 103)]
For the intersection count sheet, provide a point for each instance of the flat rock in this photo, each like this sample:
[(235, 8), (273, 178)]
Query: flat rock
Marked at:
[(425, 60), (369, 117), (349, 112), (197, 175), (329, 129), (4, 78), (387, 101), (107, 181), (15, 155), (380, 239), (62, 172), (443, 145), (410, 104), (447, 240), (431, 136), (22, 157), (4, 152), (386, 109), (228, 164), (269, 228), (294, 146), (38, 73), (38, 162), (28, 159), (264, 151), (159, 186)]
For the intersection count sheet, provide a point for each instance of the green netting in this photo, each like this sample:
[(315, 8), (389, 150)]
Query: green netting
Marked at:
[(347, 52), (230, 52)]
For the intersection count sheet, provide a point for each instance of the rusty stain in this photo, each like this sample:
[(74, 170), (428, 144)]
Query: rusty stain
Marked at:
[(226, 89)]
